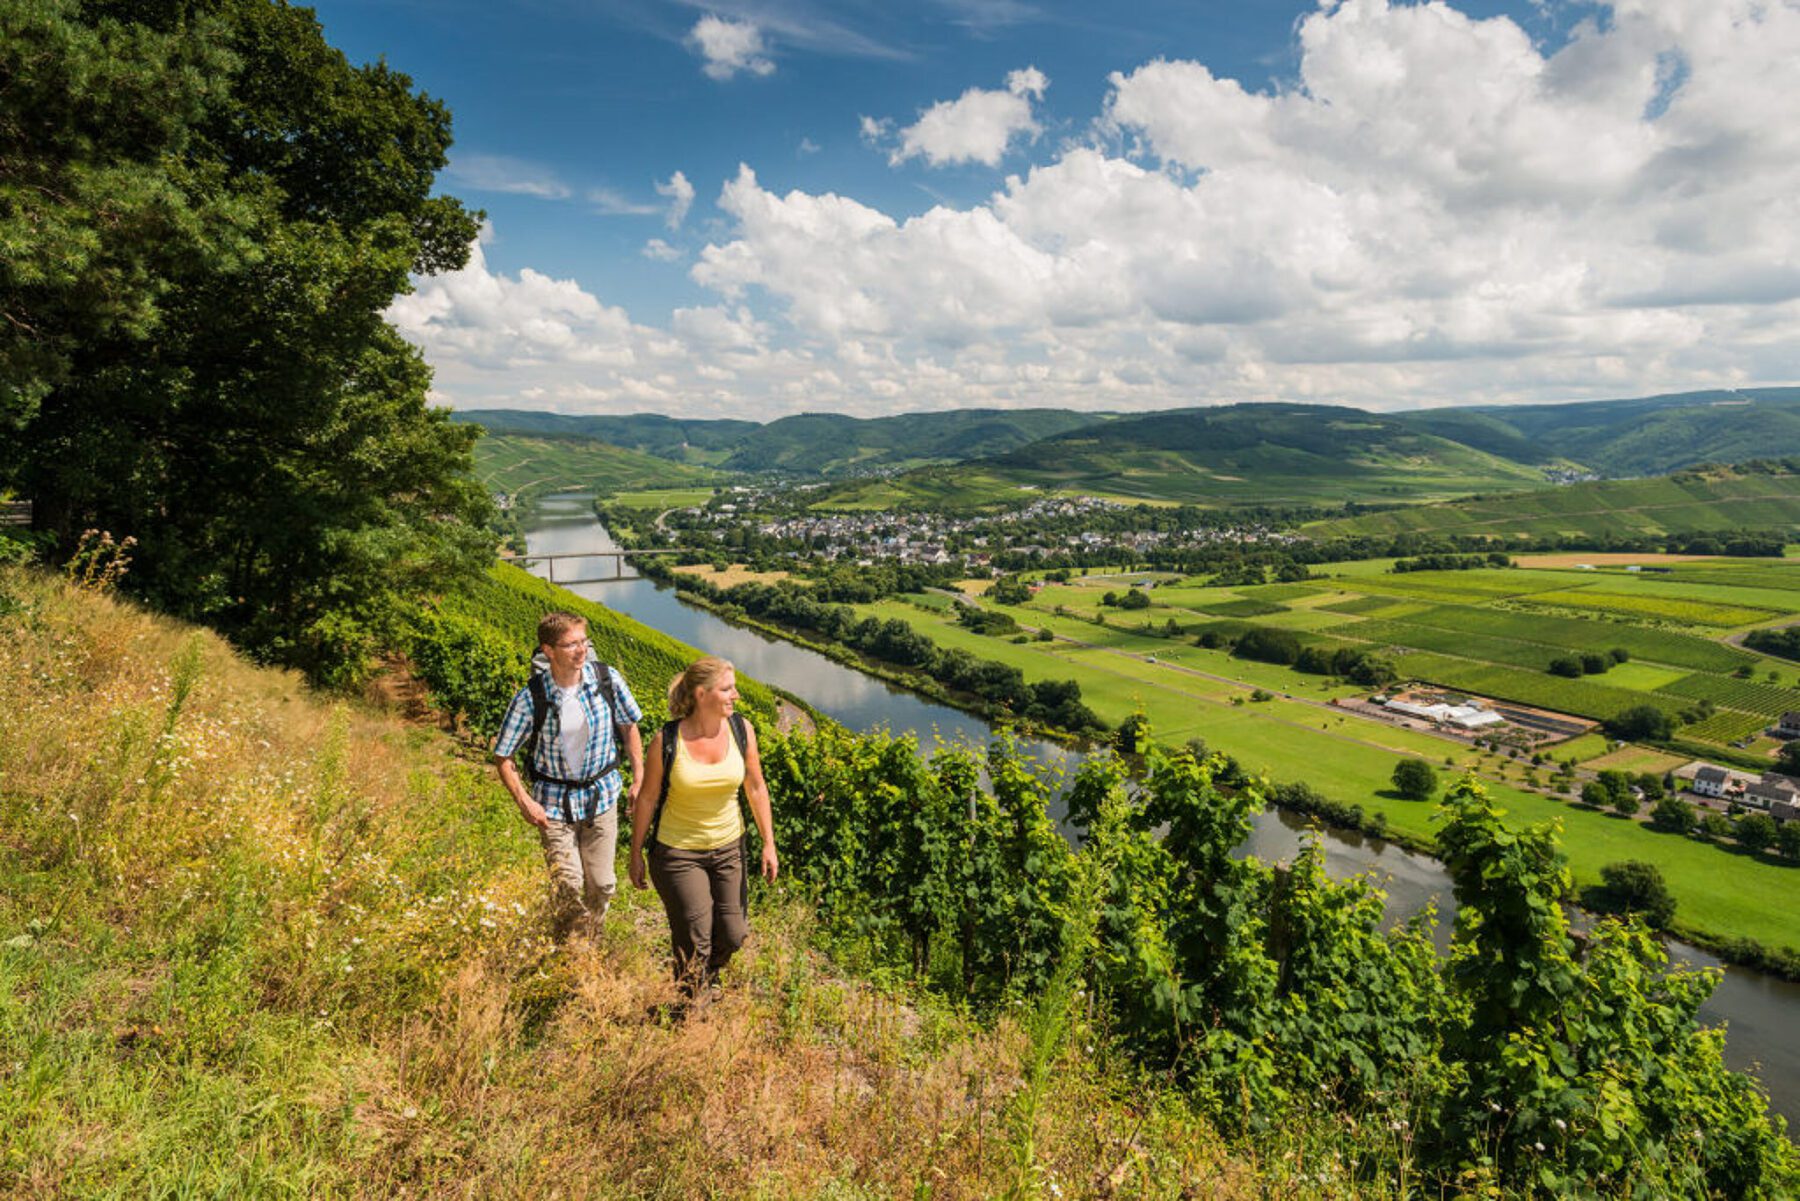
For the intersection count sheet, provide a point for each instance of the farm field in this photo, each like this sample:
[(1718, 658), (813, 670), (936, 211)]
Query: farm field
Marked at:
[(1681, 610), (732, 576), (1637, 759), (1481, 631), (662, 498), (1288, 738)]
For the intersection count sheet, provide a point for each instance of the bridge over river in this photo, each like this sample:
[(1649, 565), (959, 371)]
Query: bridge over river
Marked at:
[(618, 557)]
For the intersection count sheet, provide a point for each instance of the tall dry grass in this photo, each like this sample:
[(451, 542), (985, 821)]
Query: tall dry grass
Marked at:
[(255, 942)]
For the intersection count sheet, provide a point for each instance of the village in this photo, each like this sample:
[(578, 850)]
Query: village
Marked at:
[(938, 539)]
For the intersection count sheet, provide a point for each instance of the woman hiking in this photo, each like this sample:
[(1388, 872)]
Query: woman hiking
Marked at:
[(697, 849)]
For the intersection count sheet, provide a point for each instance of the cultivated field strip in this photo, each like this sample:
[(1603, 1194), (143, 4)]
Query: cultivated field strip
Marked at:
[(1579, 634), (1245, 607), (1278, 593), (1370, 606), (1773, 578), (1750, 697), (1454, 642), (1726, 726), (1661, 608)]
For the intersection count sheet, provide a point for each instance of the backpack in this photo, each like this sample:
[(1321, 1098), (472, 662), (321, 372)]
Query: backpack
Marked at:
[(671, 733), (526, 756)]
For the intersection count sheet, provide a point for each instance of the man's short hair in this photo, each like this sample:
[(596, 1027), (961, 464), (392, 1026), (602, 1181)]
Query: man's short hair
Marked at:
[(552, 626)]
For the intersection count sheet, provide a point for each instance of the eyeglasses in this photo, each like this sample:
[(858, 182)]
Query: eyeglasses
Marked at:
[(571, 644)]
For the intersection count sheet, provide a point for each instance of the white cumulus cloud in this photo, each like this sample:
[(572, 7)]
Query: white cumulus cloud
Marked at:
[(680, 194), (1435, 209), (976, 127), (730, 46)]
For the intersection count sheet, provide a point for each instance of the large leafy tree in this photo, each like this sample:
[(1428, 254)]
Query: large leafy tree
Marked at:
[(205, 211)]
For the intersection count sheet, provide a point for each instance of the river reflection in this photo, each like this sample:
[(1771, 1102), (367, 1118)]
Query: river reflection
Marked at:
[(1760, 1009)]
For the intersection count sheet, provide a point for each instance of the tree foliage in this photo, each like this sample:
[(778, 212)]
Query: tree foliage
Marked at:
[(1415, 779), (1640, 722), (205, 219), (1673, 815), (1637, 887)]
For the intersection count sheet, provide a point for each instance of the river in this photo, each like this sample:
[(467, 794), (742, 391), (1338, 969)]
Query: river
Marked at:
[(1760, 1011)]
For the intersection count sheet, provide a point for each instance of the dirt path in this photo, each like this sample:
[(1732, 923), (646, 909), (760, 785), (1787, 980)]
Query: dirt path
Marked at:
[(790, 717)]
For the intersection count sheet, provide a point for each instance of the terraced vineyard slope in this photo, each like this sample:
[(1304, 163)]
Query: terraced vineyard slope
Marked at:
[(1709, 501)]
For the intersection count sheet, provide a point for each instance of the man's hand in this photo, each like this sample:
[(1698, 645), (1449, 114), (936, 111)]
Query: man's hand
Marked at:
[(534, 813)]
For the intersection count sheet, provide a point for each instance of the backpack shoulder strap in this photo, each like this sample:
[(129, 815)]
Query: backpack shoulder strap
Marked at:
[(526, 756), (740, 735), (540, 704), (670, 732), (604, 673)]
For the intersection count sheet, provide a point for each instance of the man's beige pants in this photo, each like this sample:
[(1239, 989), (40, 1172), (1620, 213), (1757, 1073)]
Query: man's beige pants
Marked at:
[(582, 876)]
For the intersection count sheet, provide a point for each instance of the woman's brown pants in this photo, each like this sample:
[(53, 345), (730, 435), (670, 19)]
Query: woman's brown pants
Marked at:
[(705, 894)]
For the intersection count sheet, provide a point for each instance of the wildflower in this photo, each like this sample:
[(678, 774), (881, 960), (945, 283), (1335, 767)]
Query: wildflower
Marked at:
[(1539, 1146), (1561, 1125)]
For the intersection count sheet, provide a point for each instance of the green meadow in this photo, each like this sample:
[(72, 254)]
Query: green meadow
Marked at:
[(1297, 736)]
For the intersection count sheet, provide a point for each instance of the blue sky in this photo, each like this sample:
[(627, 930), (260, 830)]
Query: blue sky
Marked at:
[(758, 208)]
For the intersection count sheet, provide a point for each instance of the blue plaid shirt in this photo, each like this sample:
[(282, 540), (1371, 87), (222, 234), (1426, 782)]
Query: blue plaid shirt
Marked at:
[(564, 802)]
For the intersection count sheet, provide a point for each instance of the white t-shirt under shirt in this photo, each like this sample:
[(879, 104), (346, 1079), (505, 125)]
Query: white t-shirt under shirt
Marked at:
[(572, 728)]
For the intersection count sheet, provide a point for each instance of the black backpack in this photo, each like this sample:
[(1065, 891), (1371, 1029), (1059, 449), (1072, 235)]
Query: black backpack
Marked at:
[(526, 756), (671, 732)]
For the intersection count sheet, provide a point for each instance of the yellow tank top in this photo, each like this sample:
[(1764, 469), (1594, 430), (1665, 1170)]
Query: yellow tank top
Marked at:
[(701, 812)]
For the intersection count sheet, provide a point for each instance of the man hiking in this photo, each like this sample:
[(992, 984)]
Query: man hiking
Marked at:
[(573, 722)]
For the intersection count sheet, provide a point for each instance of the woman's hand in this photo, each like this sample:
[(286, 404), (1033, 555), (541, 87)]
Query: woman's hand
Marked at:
[(640, 878), (771, 863)]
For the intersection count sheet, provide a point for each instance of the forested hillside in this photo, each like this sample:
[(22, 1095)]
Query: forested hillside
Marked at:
[(1302, 455), (1757, 495), (1262, 454), (822, 444), (1658, 434)]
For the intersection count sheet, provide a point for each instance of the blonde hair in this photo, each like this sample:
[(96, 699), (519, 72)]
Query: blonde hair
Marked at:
[(701, 673)]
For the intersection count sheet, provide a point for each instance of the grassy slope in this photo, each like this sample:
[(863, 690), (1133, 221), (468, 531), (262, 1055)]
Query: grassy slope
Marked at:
[(1349, 759), (299, 948), (515, 463), (1659, 433), (1689, 503), (1239, 454)]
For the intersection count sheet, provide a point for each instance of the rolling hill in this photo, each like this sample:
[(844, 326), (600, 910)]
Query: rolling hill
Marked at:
[(1714, 499), (524, 466), (1263, 454), (1646, 436), (814, 444), (702, 442), (1282, 454)]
